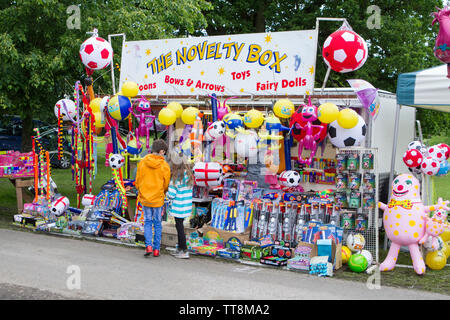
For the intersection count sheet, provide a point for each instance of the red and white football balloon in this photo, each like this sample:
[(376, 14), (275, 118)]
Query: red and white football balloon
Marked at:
[(412, 158), (430, 166), (437, 152), (345, 51), (446, 148), (96, 53)]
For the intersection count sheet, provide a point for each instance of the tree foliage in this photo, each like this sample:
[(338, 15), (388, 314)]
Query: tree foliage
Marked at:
[(39, 53)]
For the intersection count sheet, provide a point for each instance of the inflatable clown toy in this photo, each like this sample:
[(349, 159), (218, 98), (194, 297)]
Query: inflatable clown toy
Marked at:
[(404, 221)]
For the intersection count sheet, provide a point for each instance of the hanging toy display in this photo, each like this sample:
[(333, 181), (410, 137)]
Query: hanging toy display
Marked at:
[(143, 113), (309, 141), (63, 115)]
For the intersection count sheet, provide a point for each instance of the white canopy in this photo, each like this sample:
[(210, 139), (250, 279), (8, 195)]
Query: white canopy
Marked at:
[(429, 88)]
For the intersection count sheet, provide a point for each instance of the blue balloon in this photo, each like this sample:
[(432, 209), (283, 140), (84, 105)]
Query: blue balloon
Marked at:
[(443, 168)]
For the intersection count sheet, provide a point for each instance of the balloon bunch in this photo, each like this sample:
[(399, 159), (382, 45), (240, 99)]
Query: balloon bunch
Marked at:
[(432, 161)]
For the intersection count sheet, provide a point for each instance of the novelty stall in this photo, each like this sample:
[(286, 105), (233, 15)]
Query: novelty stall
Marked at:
[(286, 175)]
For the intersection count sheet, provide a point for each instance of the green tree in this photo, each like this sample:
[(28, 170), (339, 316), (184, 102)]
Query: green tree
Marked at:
[(403, 42), (39, 53)]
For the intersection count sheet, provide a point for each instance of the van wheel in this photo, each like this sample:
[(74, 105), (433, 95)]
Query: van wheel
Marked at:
[(65, 161)]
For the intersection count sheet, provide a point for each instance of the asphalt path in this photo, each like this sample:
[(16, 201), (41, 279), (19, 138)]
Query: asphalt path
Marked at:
[(39, 266)]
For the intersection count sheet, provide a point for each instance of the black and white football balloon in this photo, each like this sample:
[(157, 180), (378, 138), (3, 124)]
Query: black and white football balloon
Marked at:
[(341, 137), (116, 161), (215, 130), (418, 146), (289, 178)]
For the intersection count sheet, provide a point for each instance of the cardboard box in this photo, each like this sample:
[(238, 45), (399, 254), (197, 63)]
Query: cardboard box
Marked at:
[(305, 251), (225, 235), (169, 236)]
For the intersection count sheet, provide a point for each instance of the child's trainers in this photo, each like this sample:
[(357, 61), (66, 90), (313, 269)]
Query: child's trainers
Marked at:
[(156, 253), (148, 251), (175, 252), (182, 255)]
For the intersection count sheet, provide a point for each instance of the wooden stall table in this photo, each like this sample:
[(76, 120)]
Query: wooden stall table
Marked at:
[(20, 183)]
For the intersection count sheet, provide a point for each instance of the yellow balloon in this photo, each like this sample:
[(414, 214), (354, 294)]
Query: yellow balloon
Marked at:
[(283, 108), (189, 114), (253, 118), (99, 122), (175, 107), (445, 236), (347, 118), (446, 249), (436, 260), (328, 112), (130, 89), (167, 117), (346, 254), (95, 105)]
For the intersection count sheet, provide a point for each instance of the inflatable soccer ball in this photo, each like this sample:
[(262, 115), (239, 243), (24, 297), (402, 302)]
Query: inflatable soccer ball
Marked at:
[(96, 53), (352, 137), (344, 51), (116, 161), (430, 166), (69, 105), (412, 158)]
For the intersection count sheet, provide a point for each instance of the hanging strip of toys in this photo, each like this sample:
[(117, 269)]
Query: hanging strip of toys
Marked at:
[(36, 171), (120, 186), (60, 133), (42, 168)]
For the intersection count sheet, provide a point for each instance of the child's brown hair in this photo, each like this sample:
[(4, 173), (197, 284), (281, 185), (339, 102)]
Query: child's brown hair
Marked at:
[(159, 145), (179, 170)]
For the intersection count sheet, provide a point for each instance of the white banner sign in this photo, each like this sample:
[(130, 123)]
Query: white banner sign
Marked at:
[(277, 63)]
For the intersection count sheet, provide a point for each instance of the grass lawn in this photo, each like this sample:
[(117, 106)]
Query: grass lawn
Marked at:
[(435, 281)]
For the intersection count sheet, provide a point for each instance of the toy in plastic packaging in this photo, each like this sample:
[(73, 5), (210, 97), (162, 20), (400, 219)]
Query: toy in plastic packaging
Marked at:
[(231, 189), (92, 228), (272, 227), (367, 161), (341, 181), (246, 190), (263, 219), (353, 161), (341, 162), (369, 182), (341, 199), (355, 200), (369, 200), (354, 181), (348, 220), (361, 222)]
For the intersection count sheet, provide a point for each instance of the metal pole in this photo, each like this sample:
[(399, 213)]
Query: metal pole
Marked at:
[(394, 151), (113, 81)]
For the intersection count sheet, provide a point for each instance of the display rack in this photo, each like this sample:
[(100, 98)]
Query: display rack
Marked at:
[(370, 232)]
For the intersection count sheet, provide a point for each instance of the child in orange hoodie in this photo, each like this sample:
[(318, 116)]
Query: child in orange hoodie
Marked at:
[(152, 182)]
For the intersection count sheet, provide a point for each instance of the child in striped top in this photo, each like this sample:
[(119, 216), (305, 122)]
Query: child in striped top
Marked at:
[(180, 194)]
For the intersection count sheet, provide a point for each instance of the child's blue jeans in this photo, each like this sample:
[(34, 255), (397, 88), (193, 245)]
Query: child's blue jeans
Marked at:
[(153, 218)]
